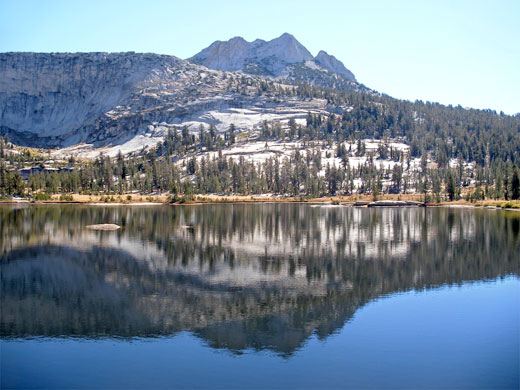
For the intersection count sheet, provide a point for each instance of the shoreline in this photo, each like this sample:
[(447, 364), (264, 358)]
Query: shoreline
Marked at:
[(345, 201)]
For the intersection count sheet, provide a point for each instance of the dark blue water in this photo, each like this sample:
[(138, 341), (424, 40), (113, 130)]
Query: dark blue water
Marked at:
[(232, 297)]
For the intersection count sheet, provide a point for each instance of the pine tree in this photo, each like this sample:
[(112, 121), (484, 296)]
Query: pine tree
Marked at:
[(231, 134), (515, 185), (451, 186)]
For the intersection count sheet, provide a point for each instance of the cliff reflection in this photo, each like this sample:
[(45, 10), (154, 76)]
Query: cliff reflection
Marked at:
[(239, 276)]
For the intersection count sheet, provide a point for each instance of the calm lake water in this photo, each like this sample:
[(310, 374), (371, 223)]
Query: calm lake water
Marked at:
[(263, 296)]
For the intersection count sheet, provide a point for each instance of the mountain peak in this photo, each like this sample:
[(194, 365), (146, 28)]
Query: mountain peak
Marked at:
[(267, 57), (278, 57), (236, 40), (322, 53), (332, 63), (285, 49), (224, 55), (287, 36)]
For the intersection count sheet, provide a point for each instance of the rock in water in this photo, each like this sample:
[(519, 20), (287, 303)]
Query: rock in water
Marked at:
[(104, 226)]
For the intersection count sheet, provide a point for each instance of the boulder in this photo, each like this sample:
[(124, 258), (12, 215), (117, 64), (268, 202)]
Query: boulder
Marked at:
[(104, 226)]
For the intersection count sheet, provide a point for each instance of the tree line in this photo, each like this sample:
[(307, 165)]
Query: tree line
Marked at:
[(302, 173)]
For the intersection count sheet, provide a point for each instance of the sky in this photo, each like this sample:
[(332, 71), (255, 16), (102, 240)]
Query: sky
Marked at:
[(452, 52)]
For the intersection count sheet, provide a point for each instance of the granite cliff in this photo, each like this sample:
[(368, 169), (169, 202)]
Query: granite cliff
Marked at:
[(130, 99)]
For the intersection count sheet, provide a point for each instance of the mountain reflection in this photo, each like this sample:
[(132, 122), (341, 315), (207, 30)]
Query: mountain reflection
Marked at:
[(238, 276)]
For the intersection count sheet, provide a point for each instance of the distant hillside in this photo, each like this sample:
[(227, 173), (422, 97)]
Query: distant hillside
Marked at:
[(229, 131)]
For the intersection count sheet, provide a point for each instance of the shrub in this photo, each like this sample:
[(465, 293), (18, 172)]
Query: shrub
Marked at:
[(42, 196)]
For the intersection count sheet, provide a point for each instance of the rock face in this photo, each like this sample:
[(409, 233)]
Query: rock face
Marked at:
[(258, 57), (332, 63), (283, 57), (63, 99), (132, 99)]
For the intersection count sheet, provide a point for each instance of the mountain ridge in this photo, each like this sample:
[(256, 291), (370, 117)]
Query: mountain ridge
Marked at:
[(268, 58)]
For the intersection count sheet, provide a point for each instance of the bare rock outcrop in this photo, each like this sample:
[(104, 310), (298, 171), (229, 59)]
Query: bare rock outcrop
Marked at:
[(282, 58), (332, 63), (108, 100)]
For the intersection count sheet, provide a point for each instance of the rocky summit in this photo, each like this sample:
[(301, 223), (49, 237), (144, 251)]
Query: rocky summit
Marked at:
[(270, 57), (282, 57), (333, 64)]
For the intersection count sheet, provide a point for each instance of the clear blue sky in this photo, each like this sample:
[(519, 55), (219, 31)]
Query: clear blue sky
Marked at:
[(453, 52)]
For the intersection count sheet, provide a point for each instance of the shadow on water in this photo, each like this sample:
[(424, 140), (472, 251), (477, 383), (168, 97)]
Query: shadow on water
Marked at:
[(238, 276)]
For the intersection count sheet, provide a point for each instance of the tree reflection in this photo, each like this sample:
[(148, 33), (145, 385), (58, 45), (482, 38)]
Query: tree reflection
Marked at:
[(238, 276)]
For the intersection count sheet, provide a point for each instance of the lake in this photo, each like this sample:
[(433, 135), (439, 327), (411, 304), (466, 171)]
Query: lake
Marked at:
[(259, 295)]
